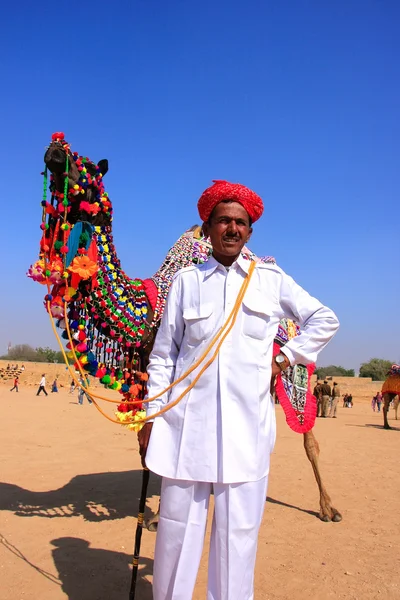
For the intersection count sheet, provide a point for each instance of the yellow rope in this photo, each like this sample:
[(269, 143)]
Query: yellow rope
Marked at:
[(77, 382), (232, 315), (220, 334)]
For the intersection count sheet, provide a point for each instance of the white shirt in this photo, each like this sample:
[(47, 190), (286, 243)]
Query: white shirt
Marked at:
[(43, 382), (224, 429)]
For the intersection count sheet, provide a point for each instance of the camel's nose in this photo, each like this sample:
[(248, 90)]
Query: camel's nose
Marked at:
[(55, 158)]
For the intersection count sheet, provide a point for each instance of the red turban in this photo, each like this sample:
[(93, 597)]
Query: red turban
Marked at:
[(223, 190)]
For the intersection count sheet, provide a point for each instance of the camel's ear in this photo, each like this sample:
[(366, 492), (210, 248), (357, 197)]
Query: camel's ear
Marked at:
[(103, 165)]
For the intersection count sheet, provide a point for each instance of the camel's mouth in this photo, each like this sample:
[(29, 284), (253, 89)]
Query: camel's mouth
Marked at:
[(55, 158)]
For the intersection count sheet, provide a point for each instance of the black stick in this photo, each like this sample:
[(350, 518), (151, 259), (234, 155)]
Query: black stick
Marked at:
[(138, 535)]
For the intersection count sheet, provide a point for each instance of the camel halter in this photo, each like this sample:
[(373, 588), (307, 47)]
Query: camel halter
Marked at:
[(217, 340)]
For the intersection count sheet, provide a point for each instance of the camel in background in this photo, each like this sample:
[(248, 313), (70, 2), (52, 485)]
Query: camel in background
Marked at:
[(391, 391)]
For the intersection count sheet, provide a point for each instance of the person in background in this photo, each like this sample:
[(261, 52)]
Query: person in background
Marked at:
[(72, 387), (326, 393), (318, 396), (349, 401), (54, 387), (379, 399), (335, 400), (16, 380), (373, 403), (84, 383), (42, 385)]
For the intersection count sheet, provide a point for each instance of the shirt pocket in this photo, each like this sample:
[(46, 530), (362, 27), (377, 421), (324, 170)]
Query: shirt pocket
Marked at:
[(199, 323), (256, 317)]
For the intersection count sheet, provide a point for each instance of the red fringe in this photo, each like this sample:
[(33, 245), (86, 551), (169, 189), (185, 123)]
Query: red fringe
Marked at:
[(151, 292), (310, 409)]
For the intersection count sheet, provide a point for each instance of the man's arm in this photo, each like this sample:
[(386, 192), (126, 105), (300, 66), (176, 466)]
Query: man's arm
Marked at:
[(317, 322), (163, 359)]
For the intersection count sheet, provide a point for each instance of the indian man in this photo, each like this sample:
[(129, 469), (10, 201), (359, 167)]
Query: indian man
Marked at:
[(219, 437)]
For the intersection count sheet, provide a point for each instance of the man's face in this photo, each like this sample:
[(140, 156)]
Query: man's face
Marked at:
[(229, 230)]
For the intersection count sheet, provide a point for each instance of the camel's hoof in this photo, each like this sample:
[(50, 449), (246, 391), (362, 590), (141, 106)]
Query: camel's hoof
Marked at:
[(337, 517), (152, 523), (333, 517), (325, 518)]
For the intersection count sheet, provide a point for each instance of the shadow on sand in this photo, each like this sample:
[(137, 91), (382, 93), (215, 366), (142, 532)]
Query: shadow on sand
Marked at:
[(313, 513), (96, 497), (374, 426), (95, 574)]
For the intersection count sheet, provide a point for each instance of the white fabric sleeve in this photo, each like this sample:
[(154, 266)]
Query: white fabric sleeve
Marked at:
[(166, 348), (318, 324)]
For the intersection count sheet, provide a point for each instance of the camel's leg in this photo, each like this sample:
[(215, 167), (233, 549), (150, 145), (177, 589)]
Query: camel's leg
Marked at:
[(152, 523), (327, 511), (386, 401), (396, 403)]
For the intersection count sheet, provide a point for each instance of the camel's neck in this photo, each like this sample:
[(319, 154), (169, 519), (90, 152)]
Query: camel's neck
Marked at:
[(191, 248), (118, 299)]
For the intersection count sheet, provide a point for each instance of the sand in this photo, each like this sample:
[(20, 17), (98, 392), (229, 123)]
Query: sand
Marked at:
[(70, 482)]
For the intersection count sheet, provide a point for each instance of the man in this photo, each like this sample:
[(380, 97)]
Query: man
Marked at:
[(220, 435), (326, 393), (16, 381), (379, 400), (318, 397), (42, 385), (335, 400), (84, 384)]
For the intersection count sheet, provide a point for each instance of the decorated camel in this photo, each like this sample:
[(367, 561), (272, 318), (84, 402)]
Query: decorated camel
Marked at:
[(391, 391), (108, 319)]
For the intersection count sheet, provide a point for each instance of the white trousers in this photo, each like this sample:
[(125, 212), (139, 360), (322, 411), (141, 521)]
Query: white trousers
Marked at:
[(238, 510)]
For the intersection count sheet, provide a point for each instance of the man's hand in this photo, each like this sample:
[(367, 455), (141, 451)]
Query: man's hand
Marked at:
[(276, 368), (143, 439)]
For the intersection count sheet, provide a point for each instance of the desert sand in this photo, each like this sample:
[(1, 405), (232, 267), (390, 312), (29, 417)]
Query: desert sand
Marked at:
[(69, 488)]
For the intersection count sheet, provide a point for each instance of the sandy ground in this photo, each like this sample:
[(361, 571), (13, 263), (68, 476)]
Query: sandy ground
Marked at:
[(70, 482)]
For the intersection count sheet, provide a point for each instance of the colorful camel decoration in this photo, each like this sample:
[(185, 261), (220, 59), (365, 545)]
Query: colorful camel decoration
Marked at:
[(391, 391), (108, 319)]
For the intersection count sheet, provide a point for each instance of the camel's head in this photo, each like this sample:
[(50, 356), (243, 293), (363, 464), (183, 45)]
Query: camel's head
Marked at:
[(81, 180)]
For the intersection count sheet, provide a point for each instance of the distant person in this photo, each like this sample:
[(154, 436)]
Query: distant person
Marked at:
[(54, 387), (22, 368), (373, 403), (84, 384), (318, 396), (42, 385), (349, 401), (344, 400), (8, 367), (72, 387), (16, 381), (379, 399), (335, 400), (326, 393)]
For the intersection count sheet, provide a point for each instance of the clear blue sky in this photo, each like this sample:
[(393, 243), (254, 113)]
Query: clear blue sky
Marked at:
[(298, 100)]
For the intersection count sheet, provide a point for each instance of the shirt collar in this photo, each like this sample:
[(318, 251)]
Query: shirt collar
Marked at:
[(212, 265)]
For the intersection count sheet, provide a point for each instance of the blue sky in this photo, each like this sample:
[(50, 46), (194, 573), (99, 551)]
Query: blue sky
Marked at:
[(297, 99)]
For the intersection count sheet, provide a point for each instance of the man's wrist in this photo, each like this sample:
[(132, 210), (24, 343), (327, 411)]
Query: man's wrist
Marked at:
[(282, 361)]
